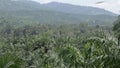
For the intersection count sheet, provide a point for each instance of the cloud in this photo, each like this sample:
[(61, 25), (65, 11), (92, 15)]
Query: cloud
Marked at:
[(110, 5), (42, 1)]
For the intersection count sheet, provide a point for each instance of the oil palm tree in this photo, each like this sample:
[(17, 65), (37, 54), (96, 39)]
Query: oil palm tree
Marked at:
[(116, 29), (10, 61)]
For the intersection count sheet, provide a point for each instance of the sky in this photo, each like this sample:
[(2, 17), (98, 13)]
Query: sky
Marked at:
[(111, 5)]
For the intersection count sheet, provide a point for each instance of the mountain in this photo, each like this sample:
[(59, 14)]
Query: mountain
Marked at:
[(31, 12), (85, 10)]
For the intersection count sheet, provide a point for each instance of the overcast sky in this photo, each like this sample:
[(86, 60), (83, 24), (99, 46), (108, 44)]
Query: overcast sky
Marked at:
[(111, 5)]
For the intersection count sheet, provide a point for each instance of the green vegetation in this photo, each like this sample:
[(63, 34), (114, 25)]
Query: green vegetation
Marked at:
[(59, 46), (34, 35), (116, 29)]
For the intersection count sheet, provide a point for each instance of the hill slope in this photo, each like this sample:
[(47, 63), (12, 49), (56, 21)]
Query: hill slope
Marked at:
[(32, 12), (85, 10)]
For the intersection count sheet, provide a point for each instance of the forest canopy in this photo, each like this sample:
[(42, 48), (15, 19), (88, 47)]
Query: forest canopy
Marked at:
[(34, 35)]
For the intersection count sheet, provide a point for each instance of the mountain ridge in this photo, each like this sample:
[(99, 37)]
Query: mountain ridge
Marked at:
[(69, 8), (33, 11)]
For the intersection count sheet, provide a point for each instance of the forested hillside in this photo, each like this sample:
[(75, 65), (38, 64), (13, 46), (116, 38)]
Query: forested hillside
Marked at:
[(29, 11), (75, 9), (33, 35)]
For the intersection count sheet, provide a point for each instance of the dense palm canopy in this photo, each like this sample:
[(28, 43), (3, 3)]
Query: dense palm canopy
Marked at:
[(59, 46)]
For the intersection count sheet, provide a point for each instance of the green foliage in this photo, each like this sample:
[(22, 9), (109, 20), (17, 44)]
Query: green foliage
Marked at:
[(10, 61), (58, 46), (70, 56), (116, 29)]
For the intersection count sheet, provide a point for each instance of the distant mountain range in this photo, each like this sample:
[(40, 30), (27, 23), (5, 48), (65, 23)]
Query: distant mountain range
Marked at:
[(53, 13), (74, 9)]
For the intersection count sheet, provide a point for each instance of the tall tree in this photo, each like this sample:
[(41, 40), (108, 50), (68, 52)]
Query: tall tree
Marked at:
[(116, 29)]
